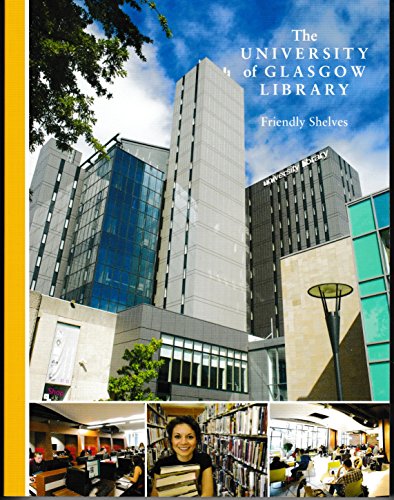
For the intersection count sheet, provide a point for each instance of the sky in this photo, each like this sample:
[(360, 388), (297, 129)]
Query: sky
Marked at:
[(142, 105)]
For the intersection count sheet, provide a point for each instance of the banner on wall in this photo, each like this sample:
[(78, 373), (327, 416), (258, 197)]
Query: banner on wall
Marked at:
[(64, 349)]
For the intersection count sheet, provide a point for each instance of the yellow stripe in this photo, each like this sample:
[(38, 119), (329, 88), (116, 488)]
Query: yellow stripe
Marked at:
[(14, 249)]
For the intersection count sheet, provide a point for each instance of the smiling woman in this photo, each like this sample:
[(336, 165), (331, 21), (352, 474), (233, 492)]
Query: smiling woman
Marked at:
[(185, 435)]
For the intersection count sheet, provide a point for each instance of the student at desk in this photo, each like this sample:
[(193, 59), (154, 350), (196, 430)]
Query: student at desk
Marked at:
[(36, 464), (303, 464), (137, 479), (351, 475), (278, 464)]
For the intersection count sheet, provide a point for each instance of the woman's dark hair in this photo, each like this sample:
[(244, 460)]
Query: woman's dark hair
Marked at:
[(184, 419), (138, 460)]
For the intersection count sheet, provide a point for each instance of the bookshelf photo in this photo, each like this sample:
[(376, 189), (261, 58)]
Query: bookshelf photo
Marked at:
[(156, 427), (233, 435)]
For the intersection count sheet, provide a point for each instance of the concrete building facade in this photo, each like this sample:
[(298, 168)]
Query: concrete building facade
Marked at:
[(297, 208), (203, 361), (201, 269), (309, 358), (54, 191)]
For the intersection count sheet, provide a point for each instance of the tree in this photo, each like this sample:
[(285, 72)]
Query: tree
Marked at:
[(141, 369), (62, 50)]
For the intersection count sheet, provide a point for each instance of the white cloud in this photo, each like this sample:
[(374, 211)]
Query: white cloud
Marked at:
[(141, 108)]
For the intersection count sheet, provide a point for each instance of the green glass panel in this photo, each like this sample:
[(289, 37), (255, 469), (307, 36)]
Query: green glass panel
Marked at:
[(382, 209), (373, 286), (361, 217), (378, 352), (376, 316), (367, 255), (380, 381)]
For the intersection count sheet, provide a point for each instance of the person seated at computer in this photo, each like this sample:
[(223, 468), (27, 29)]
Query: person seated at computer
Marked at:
[(37, 464), (137, 479), (102, 454), (141, 448), (346, 474), (278, 464), (184, 435), (302, 465)]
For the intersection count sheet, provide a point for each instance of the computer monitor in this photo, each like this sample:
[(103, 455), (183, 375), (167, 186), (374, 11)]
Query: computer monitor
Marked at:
[(93, 468), (82, 460), (77, 480), (125, 465), (114, 459), (108, 470)]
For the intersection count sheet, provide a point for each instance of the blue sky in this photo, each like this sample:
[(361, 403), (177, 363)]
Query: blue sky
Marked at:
[(142, 104)]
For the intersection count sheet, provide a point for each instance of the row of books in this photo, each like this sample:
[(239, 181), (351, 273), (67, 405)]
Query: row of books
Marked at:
[(249, 452), (254, 484), (178, 480), (156, 451), (155, 433), (214, 410), (251, 420), (155, 418)]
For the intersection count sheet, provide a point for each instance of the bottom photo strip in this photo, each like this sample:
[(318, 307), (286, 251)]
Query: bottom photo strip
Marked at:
[(211, 449)]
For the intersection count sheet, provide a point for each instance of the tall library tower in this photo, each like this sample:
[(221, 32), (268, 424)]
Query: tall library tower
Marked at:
[(202, 271)]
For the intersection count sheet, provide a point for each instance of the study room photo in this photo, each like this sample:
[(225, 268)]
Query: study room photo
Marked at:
[(329, 449), (207, 449), (87, 449)]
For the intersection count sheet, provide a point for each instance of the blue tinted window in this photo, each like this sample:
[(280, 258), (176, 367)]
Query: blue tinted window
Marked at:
[(361, 217), (376, 318), (382, 209), (380, 381)]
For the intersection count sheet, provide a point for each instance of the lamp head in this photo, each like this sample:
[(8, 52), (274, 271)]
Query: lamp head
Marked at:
[(330, 290)]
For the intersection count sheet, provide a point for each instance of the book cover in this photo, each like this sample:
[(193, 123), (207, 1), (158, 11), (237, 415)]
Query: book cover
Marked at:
[(313, 74)]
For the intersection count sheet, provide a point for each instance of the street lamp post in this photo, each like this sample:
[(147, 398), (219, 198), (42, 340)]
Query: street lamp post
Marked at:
[(335, 291)]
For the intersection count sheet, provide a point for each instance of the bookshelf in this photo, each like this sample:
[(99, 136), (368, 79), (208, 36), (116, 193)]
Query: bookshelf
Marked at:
[(235, 436), (156, 428)]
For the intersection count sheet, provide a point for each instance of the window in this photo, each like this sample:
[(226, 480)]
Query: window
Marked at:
[(202, 365), (277, 374)]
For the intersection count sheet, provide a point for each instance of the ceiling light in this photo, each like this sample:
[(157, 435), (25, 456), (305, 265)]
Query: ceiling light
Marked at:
[(365, 422)]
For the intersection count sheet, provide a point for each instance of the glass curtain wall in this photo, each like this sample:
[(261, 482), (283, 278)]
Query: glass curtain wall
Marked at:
[(370, 230)]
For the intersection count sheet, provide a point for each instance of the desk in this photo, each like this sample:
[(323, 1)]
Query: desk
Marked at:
[(65, 492)]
